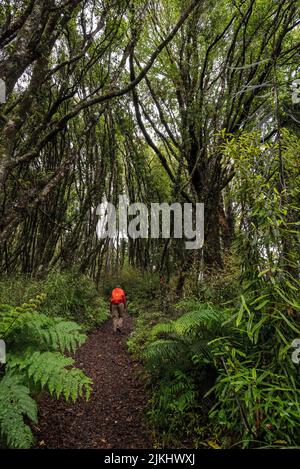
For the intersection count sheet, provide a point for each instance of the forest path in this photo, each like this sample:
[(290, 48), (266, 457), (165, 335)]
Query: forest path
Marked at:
[(113, 417)]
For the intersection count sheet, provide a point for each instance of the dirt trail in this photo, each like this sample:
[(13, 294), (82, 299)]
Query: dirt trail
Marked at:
[(113, 417)]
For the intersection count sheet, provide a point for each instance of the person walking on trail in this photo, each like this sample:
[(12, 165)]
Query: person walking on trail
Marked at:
[(118, 307)]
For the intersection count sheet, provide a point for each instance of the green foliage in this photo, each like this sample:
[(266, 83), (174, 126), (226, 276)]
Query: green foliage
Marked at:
[(222, 286), (180, 366), (15, 404), (35, 362), (255, 369), (16, 290), (228, 374), (74, 296), (172, 406), (269, 401), (48, 370), (142, 288), (141, 335), (188, 335), (24, 326), (257, 390), (68, 294)]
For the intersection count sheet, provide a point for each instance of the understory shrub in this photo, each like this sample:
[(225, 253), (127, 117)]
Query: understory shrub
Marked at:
[(69, 294), (258, 386), (140, 336), (141, 287), (74, 296)]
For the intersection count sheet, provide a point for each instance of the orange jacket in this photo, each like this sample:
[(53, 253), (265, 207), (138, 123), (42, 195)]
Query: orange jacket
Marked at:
[(118, 296)]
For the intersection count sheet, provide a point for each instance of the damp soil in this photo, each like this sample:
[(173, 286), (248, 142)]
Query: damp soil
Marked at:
[(114, 417)]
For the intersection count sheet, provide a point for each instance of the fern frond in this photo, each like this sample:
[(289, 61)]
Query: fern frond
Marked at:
[(53, 333), (15, 403), (202, 318), (64, 335), (198, 323), (163, 328), (48, 370), (8, 315), (201, 348), (11, 316), (187, 337), (162, 349), (36, 343)]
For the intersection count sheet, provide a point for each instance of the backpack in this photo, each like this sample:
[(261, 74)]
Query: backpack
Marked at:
[(117, 296)]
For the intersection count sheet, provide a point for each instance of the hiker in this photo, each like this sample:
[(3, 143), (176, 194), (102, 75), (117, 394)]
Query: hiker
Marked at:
[(118, 307)]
